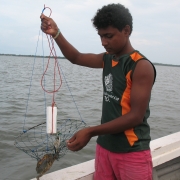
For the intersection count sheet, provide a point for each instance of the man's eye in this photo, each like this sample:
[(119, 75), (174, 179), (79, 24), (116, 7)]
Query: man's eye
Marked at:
[(109, 36)]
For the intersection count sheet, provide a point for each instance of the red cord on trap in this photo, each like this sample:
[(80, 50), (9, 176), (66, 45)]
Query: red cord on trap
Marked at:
[(56, 66)]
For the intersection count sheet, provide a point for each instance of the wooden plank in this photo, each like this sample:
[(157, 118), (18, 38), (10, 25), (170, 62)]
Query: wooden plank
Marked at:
[(169, 167), (155, 176), (174, 175), (83, 171), (165, 148)]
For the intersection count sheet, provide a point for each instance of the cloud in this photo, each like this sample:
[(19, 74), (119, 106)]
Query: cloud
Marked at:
[(156, 24), (145, 42)]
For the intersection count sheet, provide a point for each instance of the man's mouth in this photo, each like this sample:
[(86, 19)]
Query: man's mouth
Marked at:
[(108, 49)]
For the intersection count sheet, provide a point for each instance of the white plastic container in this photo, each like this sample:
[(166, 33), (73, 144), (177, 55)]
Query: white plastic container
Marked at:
[(51, 120)]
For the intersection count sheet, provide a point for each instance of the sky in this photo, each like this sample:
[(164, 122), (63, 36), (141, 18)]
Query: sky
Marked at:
[(156, 27)]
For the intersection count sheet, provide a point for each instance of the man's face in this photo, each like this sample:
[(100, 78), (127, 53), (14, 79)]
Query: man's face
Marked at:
[(113, 40)]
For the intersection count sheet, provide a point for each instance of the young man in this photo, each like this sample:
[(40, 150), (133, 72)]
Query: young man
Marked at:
[(123, 151)]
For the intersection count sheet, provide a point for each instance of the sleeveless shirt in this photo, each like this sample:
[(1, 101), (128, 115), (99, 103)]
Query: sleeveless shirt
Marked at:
[(117, 82)]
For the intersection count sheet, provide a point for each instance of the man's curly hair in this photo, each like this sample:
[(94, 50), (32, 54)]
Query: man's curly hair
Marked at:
[(115, 15)]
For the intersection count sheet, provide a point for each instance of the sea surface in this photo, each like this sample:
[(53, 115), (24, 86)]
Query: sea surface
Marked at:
[(23, 102)]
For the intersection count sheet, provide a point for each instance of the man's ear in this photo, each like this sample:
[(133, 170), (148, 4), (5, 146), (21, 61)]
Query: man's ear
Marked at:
[(127, 30)]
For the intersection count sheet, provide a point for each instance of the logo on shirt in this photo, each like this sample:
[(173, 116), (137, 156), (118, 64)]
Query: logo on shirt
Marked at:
[(108, 80)]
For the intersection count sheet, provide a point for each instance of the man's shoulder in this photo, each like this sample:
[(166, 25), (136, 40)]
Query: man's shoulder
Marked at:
[(136, 56)]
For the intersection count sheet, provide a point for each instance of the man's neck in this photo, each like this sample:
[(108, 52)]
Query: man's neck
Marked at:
[(127, 49)]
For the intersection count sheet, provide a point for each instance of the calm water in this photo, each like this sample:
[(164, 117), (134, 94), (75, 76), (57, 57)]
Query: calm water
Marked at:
[(86, 88)]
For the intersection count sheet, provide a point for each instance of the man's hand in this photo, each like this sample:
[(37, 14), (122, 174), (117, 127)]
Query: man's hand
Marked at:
[(48, 25), (79, 140)]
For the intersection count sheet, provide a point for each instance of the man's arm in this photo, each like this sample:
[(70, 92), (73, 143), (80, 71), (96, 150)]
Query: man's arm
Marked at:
[(142, 82), (48, 26)]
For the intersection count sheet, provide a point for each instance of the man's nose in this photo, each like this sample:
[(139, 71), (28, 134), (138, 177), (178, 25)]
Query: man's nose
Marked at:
[(104, 41)]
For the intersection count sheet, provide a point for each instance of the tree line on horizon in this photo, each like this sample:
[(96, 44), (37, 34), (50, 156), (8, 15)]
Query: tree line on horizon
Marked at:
[(30, 55)]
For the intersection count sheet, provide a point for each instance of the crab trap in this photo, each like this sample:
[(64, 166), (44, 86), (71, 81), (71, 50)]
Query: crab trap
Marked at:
[(51, 113), (47, 128), (36, 142)]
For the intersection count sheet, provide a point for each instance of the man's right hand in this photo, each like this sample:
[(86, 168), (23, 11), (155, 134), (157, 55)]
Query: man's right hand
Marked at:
[(48, 25)]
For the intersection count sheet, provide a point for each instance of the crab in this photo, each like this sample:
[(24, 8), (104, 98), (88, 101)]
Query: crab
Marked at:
[(44, 164)]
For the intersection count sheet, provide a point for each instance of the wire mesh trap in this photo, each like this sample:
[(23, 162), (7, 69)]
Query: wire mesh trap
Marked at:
[(36, 142)]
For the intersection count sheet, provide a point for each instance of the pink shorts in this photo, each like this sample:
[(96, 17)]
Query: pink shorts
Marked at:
[(122, 166)]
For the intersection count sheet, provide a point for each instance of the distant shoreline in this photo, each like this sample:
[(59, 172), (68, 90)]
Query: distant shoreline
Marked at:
[(60, 57)]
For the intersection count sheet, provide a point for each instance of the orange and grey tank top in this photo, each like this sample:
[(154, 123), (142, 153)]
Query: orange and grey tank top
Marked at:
[(117, 81)]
